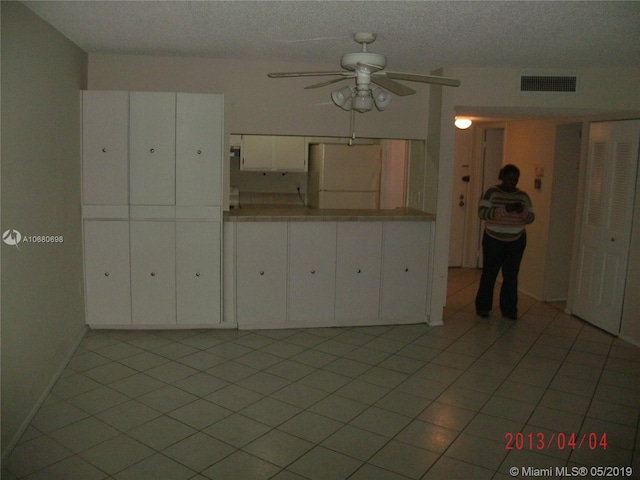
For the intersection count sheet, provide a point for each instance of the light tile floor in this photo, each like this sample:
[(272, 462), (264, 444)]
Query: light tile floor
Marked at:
[(468, 400)]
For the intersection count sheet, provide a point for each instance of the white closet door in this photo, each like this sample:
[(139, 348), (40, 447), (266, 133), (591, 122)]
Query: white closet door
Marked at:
[(198, 282), (152, 148), (153, 273), (199, 149), (105, 141), (312, 272), (359, 260), (106, 258), (405, 270), (606, 224)]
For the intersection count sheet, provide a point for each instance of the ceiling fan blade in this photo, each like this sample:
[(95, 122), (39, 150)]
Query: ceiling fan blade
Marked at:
[(328, 82), (394, 87), (433, 79), (305, 74)]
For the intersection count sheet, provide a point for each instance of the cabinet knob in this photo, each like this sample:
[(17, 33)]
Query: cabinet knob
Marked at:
[(153, 274), (104, 150), (199, 152), (406, 269), (261, 272), (313, 272), (197, 274), (358, 271), (152, 150), (106, 274)]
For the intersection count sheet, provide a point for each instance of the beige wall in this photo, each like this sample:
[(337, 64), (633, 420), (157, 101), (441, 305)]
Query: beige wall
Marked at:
[(255, 103), (42, 301)]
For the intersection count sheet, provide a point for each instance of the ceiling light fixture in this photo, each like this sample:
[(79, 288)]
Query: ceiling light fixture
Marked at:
[(361, 99), (463, 123)]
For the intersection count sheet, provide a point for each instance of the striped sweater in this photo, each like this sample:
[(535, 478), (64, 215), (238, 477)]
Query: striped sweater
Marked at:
[(500, 224)]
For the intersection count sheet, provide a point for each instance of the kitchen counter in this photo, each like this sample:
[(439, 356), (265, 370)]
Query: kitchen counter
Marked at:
[(284, 213)]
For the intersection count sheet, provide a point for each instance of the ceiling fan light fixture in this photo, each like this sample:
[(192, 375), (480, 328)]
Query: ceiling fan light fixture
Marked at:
[(381, 98), (343, 97), (462, 123), (363, 101)]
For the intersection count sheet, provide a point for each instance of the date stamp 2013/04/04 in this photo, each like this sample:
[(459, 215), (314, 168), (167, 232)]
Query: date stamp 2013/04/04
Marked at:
[(559, 441)]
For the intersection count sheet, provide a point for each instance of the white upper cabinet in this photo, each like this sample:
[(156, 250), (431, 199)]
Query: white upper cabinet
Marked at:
[(199, 149), (105, 129), (152, 148), (274, 153)]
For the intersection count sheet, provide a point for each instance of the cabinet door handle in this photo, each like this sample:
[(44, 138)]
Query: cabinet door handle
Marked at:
[(153, 274), (197, 274), (152, 150), (199, 152), (358, 271), (406, 269), (313, 272), (106, 274), (104, 150), (261, 272)]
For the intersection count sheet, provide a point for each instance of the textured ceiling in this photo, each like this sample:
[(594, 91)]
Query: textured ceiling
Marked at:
[(416, 36)]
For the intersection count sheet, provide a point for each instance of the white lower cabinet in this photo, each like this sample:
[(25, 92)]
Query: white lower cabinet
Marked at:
[(315, 273), (153, 273), (312, 271), (405, 267), (198, 273), (108, 287), (261, 281), (359, 256)]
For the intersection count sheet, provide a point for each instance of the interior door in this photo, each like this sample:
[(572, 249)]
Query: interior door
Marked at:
[(606, 223), (460, 196)]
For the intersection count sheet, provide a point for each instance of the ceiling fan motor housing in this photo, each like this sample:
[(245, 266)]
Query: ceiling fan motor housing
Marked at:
[(375, 61)]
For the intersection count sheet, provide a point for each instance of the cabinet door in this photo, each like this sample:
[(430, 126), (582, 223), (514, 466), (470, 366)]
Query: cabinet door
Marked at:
[(152, 148), (106, 257), (257, 152), (198, 273), (312, 272), (153, 273), (105, 140), (358, 271), (261, 263), (405, 270), (199, 146), (289, 153)]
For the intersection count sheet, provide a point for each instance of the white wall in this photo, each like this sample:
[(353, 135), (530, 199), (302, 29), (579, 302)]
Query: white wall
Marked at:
[(42, 301)]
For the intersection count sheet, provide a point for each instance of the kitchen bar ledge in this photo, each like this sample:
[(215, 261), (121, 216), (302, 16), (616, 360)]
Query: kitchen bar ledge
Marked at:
[(285, 213)]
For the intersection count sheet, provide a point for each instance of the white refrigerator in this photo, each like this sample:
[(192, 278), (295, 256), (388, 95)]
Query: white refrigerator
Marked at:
[(342, 176)]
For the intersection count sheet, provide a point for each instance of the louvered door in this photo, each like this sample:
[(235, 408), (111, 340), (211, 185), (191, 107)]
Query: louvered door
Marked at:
[(606, 223)]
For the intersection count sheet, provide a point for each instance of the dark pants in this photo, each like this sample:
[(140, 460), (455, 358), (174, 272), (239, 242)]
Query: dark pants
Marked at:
[(496, 255)]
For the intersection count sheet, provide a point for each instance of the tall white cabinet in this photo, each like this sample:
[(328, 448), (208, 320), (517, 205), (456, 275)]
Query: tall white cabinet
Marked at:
[(152, 208)]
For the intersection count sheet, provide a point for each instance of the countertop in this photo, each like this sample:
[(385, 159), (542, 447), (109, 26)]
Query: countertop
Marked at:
[(285, 213)]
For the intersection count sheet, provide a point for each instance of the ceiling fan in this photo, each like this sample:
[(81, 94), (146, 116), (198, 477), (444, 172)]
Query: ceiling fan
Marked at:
[(367, 67)]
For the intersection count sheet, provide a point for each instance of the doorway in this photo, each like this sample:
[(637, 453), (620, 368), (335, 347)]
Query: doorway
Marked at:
[(479, 154)]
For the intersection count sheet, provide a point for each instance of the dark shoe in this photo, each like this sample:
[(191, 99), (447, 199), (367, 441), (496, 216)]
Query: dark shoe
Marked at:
[(483, 314)]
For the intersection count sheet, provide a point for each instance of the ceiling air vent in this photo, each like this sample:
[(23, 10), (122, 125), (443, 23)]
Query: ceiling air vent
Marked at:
[(545, 83)]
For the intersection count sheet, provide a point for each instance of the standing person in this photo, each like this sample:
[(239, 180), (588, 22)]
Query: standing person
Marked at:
[(506, 210)]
